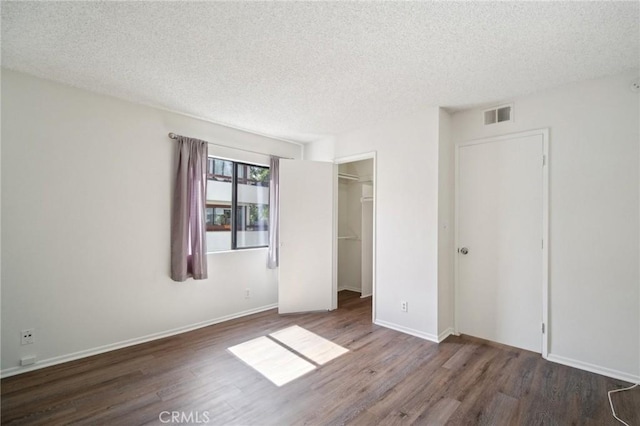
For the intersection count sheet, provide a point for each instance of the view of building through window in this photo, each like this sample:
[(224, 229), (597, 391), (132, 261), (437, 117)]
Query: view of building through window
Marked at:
[(243, 189)]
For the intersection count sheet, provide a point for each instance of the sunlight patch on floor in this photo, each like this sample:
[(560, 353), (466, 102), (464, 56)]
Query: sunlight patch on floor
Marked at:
[(316, 348), (278, 362), (272, 360)]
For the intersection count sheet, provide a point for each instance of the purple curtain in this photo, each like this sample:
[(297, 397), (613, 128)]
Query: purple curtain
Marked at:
[(188, 228), (274, 213)]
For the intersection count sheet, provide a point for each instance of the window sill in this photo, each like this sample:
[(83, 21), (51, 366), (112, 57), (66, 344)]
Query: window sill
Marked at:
[(238, 250)]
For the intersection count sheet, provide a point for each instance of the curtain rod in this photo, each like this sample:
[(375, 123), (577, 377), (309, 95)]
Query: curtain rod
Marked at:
[(175, 136)]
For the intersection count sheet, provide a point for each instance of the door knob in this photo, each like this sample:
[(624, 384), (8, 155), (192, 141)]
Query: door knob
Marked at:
[(464, 250)]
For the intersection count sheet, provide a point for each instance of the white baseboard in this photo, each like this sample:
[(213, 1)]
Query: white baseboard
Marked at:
[(446, 333), (12, 371), (350, 288), (417, 333), (594, 368), (362, 296)]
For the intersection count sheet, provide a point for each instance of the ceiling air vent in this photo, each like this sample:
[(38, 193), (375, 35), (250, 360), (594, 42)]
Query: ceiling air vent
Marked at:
[(498, 114)]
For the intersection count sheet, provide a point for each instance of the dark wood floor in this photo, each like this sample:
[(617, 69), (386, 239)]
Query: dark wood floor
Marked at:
[(386, 378)]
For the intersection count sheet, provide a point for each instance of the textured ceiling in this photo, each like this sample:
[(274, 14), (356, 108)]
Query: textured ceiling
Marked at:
[(302, 70)]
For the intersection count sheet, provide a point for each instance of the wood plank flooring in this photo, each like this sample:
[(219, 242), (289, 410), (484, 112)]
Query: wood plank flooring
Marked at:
[(386, 378)]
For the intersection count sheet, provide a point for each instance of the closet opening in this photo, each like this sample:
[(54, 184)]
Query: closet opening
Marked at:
[(355, 232)]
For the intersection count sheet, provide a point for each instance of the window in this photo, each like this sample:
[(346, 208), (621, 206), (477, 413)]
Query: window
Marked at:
[(237, 211), (218, 217), (219, 170)]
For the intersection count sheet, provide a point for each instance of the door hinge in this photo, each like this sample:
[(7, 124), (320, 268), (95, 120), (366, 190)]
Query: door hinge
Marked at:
[(542, 243), (544, 160), (542, 328)]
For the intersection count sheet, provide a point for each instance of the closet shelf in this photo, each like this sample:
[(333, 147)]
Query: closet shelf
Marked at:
[(355, 178), (348, 237), (365, 199), (348, 176)]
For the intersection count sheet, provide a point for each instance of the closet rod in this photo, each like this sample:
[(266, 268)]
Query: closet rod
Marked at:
[(348, 176)]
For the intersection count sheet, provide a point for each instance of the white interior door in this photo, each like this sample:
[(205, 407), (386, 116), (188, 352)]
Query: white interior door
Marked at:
[(500, 240), (306, 236)]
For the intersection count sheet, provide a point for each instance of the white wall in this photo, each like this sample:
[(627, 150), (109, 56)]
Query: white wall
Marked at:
[(322, 150), (594, 217), (86, 196), (407, 214)]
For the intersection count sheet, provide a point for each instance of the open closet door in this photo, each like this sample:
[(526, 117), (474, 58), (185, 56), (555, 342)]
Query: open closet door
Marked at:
[(306, 236)]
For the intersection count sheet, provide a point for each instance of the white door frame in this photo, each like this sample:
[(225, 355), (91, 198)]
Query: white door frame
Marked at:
[(350, 159), (545, 225)]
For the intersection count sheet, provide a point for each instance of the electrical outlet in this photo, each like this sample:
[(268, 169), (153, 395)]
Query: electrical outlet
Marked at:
[(247, 293), (27, 336), (404, 306)]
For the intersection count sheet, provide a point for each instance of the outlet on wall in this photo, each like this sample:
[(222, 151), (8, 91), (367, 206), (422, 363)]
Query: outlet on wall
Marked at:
[(404, 306), (27, 336)]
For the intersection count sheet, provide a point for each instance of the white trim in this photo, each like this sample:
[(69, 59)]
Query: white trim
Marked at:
[(12, 371), (446, 333), (239, 250), (355, 157), (407, 330), (236, 160), (456, 239), (207, 120), (544, 132), (334, 242), (546, 239), (364, 296), (350, 288), (594, 368), (373, 155)]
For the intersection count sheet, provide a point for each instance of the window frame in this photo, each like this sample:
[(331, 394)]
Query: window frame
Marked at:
[(235, 181)]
